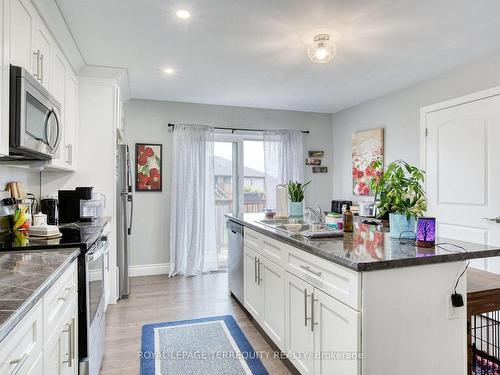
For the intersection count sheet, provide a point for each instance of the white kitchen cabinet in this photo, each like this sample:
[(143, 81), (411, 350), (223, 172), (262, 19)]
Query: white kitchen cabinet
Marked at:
[(300, 339), (37, 368), (336, 329), (60, 348), (22, 22), (272, 286), (253, 300), (264, 294)]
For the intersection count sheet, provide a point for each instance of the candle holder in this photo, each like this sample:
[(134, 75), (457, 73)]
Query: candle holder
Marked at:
[(426, 232)]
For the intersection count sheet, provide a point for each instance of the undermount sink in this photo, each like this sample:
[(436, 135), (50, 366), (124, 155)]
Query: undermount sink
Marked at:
[(281, 224)]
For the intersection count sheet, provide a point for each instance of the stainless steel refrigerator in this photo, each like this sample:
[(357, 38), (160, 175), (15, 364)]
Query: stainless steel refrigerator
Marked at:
[(124, 213)]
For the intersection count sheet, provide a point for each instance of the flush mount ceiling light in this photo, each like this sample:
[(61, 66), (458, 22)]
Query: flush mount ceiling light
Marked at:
[(182, 13), (322, 49), (168, 71)]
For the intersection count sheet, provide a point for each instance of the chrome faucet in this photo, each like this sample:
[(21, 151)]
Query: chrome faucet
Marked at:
[(317, 213)]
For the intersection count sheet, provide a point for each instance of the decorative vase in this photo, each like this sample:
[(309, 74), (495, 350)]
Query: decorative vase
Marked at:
[(296, 209), (401, 226)]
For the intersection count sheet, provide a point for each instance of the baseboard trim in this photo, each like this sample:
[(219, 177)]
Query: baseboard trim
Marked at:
[(149, 269)]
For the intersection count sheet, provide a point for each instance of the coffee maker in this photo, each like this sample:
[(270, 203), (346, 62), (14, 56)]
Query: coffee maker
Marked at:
[(81, 204)]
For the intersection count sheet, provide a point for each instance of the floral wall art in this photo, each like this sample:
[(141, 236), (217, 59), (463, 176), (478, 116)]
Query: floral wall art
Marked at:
[(148, 173), (367, 147)]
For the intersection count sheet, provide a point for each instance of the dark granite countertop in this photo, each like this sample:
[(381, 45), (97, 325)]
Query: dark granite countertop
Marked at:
[(370, 249), (25, 276)]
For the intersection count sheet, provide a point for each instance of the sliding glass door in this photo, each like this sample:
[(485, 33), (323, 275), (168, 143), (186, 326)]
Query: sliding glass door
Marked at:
[(239, 182)]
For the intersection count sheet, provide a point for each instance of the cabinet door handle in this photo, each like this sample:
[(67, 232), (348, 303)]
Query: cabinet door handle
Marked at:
[(19, 362), (69, 331), (307, 268), (255, 269), (66, 295), (69, 160), (36, 55), (41, 68), (312, 312), (306, 296), (258, 272)]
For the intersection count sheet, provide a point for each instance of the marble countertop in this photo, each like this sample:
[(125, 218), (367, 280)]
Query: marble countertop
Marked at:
[(370, 249), (25, 276)]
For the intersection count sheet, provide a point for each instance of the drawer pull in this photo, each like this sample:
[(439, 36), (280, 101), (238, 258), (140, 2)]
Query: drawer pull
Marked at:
[(20, 363), (66, 295), (307, 268)]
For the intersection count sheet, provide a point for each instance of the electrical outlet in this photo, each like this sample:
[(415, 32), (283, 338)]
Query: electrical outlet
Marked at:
[(453, 312)]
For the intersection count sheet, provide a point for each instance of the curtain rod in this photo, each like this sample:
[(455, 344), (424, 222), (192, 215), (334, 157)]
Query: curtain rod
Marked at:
[(240, 129)]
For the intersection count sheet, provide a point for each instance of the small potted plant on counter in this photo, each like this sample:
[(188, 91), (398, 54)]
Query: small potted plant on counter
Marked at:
[(296, 196), (399, 192)]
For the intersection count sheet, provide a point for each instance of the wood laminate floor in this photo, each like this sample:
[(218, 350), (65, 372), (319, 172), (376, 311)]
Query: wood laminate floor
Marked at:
[(155, 299)]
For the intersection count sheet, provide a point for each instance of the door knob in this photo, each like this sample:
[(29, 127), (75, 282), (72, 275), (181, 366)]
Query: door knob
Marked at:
[(495, 219)]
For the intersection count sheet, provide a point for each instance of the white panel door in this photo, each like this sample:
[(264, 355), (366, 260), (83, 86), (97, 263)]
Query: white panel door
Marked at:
[(299, 333), (273, 285), (253, 297), (463, 164), (337, 330)]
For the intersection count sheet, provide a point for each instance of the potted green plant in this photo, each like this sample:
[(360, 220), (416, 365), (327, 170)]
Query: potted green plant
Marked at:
[(296, 197), (399, 192)]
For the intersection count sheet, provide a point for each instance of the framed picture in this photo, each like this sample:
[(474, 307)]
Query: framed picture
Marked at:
[(313, 161), (367, 147), (148, 172), (315, 154), (320, 169)]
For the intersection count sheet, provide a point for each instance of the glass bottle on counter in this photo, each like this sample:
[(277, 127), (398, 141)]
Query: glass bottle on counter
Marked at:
[(348, 219)]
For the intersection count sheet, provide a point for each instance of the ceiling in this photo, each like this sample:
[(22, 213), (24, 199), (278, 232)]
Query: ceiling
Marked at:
[(252, 53)]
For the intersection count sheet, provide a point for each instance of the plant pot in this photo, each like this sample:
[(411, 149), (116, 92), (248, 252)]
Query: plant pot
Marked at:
[(401, 227), (296, 209)]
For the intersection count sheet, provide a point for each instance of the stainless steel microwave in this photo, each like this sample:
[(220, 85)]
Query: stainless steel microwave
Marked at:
[(35, 121)]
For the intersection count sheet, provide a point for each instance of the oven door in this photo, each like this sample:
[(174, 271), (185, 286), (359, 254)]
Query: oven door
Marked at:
[(94, 269)]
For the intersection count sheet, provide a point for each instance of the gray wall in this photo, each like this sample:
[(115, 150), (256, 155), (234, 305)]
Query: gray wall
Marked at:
[(146, 121), (30, 179), (399, 114)]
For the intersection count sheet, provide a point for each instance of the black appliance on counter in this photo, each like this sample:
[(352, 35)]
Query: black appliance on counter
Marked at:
[(50, 207), (74, 205), (337, 206)]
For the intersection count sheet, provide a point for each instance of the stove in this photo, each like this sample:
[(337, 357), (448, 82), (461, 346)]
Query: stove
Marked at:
[(79, 234)]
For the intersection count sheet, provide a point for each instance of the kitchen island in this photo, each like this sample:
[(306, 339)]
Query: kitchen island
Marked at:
[(359, 304)]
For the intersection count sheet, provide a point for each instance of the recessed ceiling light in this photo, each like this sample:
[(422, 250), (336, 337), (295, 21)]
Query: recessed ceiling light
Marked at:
[(182, 13), (169, 71)]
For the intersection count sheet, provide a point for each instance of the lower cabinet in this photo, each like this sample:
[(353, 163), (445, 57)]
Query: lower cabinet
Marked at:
[(264, 295), (322, 333), (43, 343), (60, 349)]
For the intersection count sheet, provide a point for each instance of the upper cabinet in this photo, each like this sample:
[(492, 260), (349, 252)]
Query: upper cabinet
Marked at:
[(22, 15), (32, 46), (42, 46)]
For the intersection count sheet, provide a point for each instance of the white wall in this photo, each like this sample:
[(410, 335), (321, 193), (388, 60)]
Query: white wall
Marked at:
[(96, 153), (399, 114), (146, 121), (30, 179)]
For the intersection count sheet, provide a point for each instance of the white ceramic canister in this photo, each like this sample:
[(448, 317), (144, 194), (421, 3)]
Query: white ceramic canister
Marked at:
[(39, 219)]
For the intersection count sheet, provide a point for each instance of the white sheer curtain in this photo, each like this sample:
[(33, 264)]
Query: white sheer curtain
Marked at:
[(283, 160), (192, 219)]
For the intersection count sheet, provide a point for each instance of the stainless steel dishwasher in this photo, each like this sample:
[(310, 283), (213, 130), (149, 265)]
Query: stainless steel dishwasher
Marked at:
[(235, 259)]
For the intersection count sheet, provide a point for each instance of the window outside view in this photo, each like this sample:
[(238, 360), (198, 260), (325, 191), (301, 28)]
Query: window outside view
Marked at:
[(254, 198)]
